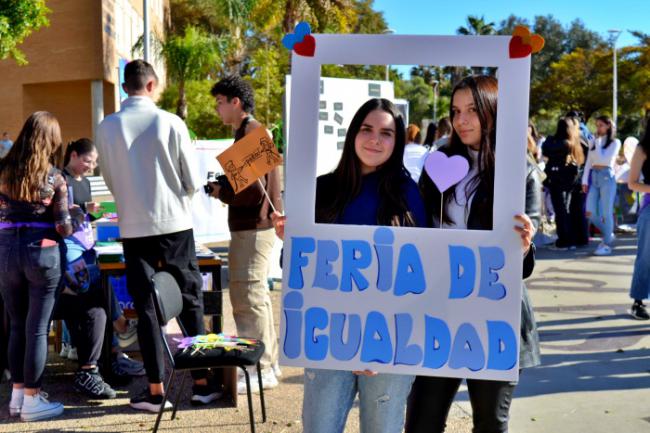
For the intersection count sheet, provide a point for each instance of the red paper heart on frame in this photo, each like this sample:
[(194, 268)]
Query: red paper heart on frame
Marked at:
[(307, 47), (518, 48)]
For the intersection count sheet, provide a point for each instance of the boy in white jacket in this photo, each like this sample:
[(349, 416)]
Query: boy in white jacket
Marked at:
[(148, 162)]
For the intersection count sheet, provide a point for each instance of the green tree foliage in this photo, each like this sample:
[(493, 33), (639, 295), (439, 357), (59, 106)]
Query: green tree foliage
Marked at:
[(18, 19), (476, 26), (574, 70), (201, 114), (580, 80), (634, 87), (420, 96), (251, 32), (551, 72), (189, 57)]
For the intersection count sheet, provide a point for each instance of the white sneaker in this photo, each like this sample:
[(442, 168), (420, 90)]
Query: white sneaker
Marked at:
[(276, 370), (65, 350), (16, 402), (72, 354), (268, 381), (37, 407), (603, 250), (130, 336)]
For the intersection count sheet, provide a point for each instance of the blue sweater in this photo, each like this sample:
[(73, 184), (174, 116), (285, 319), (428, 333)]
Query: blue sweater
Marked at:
[(362, 210)]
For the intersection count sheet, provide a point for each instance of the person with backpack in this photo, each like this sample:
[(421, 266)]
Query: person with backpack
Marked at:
[(565, 157)]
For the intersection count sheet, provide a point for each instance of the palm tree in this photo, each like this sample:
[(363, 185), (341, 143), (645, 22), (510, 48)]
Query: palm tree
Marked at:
[(189, 57), (476, 26)]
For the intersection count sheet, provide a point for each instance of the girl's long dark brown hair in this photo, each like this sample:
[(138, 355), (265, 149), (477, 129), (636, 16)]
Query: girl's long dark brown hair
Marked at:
[(568, 131), (23, 171), (611, 131), (393, 209), (484, 90)]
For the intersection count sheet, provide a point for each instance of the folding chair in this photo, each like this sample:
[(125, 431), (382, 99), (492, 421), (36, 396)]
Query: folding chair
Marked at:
[(169, 303)]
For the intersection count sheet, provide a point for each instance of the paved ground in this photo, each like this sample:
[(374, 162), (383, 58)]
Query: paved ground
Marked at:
[(595, 375)]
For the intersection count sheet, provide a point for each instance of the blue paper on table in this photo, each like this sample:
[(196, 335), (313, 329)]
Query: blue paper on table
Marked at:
[(119, 287)]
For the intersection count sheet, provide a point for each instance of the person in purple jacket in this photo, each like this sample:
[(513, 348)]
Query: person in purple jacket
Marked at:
[(370, 186)]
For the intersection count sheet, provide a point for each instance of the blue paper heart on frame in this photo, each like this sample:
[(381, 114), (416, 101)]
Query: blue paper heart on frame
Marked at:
[(290, 39)]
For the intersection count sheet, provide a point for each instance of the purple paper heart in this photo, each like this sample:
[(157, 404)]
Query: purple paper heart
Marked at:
[(445, 171)]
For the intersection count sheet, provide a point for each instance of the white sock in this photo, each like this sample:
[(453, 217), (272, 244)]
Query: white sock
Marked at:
[(17, 395)]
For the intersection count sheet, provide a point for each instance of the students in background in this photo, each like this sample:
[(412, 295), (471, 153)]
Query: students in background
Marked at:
[(430, 136), (414, 152), (599, 183), (33, 219), (5, 144), (370, 186), (442, 133), (469, 206)]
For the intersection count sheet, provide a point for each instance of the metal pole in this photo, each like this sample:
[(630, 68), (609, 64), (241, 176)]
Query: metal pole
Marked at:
[(435, 100), (145, 36), (614, 34), (614, 90)]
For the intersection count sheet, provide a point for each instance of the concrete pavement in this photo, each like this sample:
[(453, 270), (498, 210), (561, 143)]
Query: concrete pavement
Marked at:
[(595, 375)]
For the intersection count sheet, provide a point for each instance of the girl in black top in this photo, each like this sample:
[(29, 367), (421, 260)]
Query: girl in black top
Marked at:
[(469, 205), (80, 160), (82, 302)]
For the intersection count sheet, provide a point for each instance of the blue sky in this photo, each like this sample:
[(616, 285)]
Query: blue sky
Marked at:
[(444, 17)]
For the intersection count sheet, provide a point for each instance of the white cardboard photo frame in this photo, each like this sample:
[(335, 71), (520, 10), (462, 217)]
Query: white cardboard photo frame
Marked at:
[(302, 326)]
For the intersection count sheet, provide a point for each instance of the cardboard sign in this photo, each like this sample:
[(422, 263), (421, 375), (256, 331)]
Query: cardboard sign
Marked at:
[(435, 302), (249, 159)]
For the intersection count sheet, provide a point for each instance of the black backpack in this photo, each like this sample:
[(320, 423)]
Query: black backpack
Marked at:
[(561, 175)]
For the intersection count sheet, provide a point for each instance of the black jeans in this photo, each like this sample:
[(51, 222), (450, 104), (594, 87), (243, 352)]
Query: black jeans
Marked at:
[(174, 253), (431, 398), (570, 220), (30, 275), (85, 317), (4, 337)]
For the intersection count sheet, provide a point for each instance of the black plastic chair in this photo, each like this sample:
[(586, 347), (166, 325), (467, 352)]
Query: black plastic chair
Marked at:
[(169, 304)]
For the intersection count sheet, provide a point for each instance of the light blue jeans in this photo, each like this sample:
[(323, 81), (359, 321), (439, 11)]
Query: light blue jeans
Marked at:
[(600, 201), (641, 278), (329, 395)]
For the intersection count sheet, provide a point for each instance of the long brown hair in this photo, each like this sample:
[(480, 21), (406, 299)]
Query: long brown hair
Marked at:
[(568, 131), (484, 90), (38, 147), (393, 210)]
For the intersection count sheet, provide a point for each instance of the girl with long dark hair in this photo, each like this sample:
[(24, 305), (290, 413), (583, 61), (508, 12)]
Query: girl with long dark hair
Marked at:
[(599, 183), (82, 303), (370, 186), (640, 165), (33, 219), (469, 206), (565, 157)]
